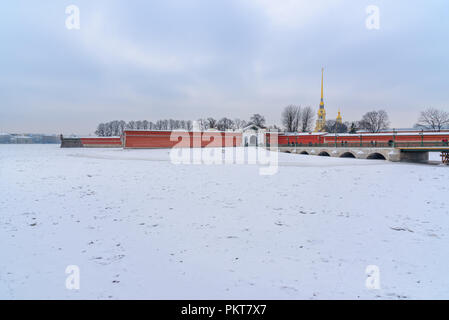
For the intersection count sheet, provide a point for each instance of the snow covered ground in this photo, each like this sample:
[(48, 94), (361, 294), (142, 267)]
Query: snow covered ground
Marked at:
[(140, 227)]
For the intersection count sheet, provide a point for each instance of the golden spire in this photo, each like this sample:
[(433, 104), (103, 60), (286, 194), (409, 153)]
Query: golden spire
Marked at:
[(322, 81), (321, 120)]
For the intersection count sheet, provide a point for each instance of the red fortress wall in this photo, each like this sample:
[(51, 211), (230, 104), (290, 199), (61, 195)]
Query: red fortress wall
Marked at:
[(183, 139), (295, 138), (113, 142), (387, 137), (169, 139), (98, 142)]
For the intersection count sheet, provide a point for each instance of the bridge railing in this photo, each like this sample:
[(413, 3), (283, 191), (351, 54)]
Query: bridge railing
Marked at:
[(373, 144), (421, 144)]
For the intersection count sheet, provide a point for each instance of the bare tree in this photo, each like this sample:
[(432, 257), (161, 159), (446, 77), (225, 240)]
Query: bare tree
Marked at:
[(307, 118), (100, 130), (114, 129), (162, 125), (171, 124), (202, 124), (225, 124), (122, 126), (375, 121), (182, 124), (239, 124), (257, 120), (211, 123), (131, 125), (333, 126), (433, 119), (108, 129), (290, 118), (353, 126)]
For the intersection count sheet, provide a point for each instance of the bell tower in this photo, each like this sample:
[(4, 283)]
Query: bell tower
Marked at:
[(339, 118), (321, 120)]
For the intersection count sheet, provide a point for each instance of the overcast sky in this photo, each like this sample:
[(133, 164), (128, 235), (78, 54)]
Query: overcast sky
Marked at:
[(186, 59)]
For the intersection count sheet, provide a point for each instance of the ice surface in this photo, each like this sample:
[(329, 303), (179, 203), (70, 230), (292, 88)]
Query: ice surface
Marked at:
[(139, 226)]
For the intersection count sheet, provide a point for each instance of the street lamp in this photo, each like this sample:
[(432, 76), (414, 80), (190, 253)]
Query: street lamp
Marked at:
[(394, 137)]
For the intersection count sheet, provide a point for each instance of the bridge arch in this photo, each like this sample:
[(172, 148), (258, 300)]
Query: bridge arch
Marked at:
[(376, 156), (287, 151), (324, 154), (347, 155), (304, 152)]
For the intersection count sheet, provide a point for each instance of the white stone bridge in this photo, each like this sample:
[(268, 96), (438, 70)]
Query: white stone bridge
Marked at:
[(382, 153)]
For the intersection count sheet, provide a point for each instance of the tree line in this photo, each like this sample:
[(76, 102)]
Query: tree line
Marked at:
[(116, 127), (294, 119)]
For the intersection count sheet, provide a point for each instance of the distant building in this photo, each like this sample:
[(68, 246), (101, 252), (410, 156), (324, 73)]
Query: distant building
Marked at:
[(20, 139), (29, 138), (253, 136), (5, 138), (50, 139)]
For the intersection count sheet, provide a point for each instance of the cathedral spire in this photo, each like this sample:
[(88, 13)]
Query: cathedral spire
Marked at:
[(322, 82), (321, 120)]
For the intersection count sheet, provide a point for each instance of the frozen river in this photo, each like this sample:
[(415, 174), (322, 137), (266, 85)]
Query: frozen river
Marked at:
[(138, 226)]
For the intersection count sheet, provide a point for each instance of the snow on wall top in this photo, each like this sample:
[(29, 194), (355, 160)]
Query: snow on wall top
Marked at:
[(426, 133)]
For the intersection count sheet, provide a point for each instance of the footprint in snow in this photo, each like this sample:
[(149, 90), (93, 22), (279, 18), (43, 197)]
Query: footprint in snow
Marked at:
[(305, 212), (401, 229)]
